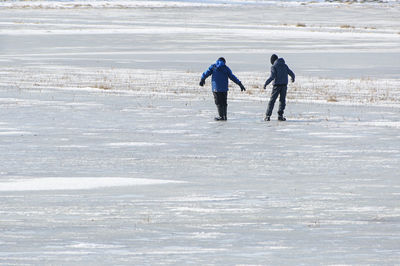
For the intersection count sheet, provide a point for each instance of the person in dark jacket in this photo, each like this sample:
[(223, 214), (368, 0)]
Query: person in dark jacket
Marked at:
[(279, 74), (220, 73)]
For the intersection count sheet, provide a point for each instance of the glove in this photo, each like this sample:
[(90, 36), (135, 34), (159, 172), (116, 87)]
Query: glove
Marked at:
[(265, 86), (292, 80), (202, 81), (242, 88)]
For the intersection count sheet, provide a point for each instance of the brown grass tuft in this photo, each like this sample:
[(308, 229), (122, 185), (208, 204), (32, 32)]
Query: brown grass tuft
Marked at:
[(346, 26), (332, 99), (103, 87)]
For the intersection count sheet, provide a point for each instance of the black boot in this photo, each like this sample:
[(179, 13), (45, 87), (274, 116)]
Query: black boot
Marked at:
[(281, 118), (267, 118), (220, 113), (224, 110)]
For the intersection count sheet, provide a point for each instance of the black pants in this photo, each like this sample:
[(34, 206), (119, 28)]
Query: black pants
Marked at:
[(277, 90), (221, 100)]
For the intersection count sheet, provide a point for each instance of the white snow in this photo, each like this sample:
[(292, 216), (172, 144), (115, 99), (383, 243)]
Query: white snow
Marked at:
[(109, 154), (118, 4), (138, 144), (5, 133), (76, 183)]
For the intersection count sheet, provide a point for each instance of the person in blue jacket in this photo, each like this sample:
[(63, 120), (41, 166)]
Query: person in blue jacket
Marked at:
[(279, 74), (220, 73)]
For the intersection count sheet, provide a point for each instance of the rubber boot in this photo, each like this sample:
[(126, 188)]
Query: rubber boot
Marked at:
[(224, 114), (220, 113), (280, 113)]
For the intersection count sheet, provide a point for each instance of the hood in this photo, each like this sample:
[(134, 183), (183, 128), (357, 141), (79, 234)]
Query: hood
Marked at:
[(219, 64), (280, 61)]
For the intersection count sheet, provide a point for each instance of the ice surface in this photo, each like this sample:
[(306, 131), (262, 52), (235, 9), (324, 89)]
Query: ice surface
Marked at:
[(75, 183), (343, 41), (324, 181), (109, 154)]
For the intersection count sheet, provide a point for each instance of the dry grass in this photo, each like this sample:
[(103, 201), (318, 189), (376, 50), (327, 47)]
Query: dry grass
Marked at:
[(300, 25), (346, 26), (103, 87), (332, 99), (365, 90)]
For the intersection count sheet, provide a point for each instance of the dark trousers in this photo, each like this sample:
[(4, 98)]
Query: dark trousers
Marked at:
[(277, 90), (221, 100)]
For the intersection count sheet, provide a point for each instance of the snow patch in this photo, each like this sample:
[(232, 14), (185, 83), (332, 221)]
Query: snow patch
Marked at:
[(171, 131), (393, 124), (77, 183), (137, 144), (13, 133), (94, 246)]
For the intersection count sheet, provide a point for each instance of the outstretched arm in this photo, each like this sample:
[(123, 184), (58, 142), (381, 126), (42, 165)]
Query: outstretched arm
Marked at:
[(271, 77), (206, 74), (235, 79), (291, 74)]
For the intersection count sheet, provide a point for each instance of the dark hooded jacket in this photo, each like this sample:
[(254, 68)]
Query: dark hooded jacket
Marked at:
[(220, 74), (279, 73)]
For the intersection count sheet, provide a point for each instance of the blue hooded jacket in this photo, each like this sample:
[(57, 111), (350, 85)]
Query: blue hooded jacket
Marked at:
[(279, 73), (220, 74)]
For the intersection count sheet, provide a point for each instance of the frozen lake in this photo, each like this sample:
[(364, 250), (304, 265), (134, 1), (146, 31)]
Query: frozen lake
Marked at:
[(350, 41), (77, 168), (109, 154)]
